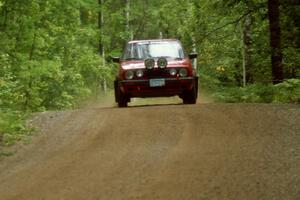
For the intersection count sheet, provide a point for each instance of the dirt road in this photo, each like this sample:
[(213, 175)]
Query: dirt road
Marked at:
[(178, 152)]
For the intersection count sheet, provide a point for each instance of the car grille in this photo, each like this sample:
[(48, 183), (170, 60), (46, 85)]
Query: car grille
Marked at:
[(157, 73)]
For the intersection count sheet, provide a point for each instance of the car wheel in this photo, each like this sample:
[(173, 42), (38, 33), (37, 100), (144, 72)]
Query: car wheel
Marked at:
[(122, 99), (116, 87), (190, 97)]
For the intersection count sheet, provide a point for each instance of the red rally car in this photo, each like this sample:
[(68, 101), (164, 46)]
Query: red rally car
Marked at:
[(155, 68)]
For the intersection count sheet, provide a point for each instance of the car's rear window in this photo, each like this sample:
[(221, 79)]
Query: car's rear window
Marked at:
[(150, 49)]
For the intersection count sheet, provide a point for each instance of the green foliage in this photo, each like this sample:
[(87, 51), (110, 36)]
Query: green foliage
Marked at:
[(48, 59), (256, 93), (286, 92), (12, 127)]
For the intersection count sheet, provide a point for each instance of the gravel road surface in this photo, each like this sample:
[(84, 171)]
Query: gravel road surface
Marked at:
[(177, 152)]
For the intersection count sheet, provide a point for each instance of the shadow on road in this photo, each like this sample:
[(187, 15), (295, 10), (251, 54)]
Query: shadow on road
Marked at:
[(107, 101)]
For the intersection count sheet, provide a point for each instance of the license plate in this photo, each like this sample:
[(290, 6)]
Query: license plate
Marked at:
[(157, 82)]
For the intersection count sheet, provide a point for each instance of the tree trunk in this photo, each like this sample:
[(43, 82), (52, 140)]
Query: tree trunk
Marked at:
[(127, 15), (195, 51), (84, 16), (275, 41), (101, 42), (247, 49), (1, 140), (31, 52), (5, 15), (100, 25)]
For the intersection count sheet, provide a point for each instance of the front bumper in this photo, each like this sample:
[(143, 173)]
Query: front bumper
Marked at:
[(172, 87)]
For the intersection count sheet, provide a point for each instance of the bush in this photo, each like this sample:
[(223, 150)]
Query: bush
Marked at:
[(255, 93), (286, 92), (12, 127)]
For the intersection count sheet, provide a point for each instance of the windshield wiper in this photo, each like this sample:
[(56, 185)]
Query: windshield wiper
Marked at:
[(133, 58), (178, 58), (175, 58)]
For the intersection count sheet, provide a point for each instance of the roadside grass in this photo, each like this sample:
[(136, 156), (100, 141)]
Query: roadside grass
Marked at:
[(12, 126), (15, 126), (286, 92), (6, 154)]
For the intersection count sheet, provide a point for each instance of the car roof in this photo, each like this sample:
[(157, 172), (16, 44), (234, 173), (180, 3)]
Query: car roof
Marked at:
[(153, 40)]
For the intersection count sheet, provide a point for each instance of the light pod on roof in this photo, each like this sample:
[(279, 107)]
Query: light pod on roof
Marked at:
[(162, 62), (149, 63)]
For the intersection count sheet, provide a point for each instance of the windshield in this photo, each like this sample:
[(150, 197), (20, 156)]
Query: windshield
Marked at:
[(141, 51)]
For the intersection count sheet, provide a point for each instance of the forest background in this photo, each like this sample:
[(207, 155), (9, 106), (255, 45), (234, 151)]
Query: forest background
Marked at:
[(57, 54)]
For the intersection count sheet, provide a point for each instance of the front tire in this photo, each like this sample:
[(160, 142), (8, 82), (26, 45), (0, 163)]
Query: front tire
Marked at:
[(190, 97), (123, 100), (120, 98), (116, 87)]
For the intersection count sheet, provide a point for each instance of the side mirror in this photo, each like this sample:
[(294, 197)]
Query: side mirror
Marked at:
[(116, 59), (193, 55)]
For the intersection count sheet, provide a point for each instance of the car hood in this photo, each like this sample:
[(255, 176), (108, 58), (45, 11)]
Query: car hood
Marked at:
[(139, 64)]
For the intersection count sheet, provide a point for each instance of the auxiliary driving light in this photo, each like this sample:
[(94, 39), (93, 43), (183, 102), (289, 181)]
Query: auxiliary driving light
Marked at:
[(139, 73), (149, 63), (162, 62), (129, 75), (183, 72), (173, 72)]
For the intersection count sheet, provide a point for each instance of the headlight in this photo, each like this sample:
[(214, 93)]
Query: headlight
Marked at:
[(162, 62), (129, 75), (173, 72), (183, 72), (149, 63), (139, 73)]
